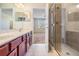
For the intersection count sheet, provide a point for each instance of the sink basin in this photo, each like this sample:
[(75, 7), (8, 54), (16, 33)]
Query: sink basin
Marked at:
[(4, 37)]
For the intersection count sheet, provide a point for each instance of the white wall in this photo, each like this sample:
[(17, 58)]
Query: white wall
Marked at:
[(47, 24)]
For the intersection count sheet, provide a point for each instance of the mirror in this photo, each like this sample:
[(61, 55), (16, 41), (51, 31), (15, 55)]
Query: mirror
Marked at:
[(22, 16), (6, 19)]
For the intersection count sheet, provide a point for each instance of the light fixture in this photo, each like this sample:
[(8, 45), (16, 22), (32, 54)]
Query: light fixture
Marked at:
[(19, 5), (77, 6), (28, 14), (69, 12)]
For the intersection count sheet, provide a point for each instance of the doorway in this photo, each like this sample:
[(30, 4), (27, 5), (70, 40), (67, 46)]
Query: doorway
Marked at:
[(39, 20)]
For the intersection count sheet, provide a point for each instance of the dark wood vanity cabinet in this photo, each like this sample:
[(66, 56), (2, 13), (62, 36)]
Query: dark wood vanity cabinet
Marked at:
[(15, 43), (13, 53), (21, 49), (17, 47), (4, 50), (30, 38), (25, 39)]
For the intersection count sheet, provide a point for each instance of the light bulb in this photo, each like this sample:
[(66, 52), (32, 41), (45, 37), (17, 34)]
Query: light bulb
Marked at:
[(77, 6)]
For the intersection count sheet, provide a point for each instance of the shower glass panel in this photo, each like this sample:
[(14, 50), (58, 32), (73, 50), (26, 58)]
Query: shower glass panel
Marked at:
[(55, 27)]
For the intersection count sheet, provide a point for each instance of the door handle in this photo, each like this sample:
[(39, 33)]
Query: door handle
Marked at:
[(53, 24)]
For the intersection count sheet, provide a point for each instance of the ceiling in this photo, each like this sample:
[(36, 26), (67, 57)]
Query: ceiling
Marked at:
[(23, 6), (35, 4)]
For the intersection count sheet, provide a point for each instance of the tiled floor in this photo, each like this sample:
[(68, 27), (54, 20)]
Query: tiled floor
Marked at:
[(39, 38), (42, 50), (53, 52), (38, 50), (68, 51)]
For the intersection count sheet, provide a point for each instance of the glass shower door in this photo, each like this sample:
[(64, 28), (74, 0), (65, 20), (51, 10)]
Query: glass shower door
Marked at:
[(51, 28), (55, 27)]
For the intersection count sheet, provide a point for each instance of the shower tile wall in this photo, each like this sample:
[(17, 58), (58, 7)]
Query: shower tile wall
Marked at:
[(72, 39), (72, 33)]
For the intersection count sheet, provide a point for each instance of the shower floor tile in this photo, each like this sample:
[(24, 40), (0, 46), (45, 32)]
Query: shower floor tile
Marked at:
[(38, 50), (68, 51), (53, 52)]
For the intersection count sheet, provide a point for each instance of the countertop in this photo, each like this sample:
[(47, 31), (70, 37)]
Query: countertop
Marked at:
[(9, 36)]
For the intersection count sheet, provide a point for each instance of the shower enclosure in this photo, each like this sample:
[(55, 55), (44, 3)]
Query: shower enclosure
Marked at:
[(70, 29), (64, 28)]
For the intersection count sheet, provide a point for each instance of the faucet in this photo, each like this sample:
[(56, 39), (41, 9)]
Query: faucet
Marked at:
[(20, 29)]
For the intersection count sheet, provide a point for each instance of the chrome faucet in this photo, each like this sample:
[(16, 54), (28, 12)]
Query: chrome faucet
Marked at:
[(20, 29)]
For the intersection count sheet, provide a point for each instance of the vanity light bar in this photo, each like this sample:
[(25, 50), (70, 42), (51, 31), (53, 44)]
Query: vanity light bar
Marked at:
[(19, 5)]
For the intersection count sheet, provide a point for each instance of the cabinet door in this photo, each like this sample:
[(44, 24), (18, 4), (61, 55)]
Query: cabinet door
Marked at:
[(21, 49), (15, 43), (24, 37), (4, 50), (13, 53), (28, 41)]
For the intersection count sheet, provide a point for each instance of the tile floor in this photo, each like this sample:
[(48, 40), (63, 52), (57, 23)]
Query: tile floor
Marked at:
[(68, 51), (42, 50), (39, 38), (38, 50), (53, 52)]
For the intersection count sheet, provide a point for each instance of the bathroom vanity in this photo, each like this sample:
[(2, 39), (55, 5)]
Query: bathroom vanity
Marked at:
[(15, 44)]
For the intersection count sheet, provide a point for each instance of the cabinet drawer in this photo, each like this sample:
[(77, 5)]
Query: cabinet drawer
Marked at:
[(13, 53), (30, 34), (21, 49), (15, 43), (4, 50)]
